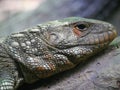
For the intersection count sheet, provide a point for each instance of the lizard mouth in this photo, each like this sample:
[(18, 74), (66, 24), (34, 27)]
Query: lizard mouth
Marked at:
[(94, 44), (99, 40), (96, 39), (82, 51), (106, 37)]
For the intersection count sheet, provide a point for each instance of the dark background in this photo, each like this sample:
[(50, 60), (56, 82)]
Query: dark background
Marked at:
[(16, 15)]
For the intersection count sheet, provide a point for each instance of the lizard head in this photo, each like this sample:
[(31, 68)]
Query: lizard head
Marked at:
[(78, 38)]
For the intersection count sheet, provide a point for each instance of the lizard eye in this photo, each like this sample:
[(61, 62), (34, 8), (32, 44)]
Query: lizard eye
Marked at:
[(79, 28)]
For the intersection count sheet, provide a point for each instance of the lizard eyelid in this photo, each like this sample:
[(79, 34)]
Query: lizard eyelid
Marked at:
[(79, 28)]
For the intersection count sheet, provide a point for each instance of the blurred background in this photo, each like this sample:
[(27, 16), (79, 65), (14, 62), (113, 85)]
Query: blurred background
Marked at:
[(16, 15)]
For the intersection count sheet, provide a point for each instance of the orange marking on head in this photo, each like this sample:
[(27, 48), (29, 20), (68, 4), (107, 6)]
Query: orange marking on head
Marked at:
[(77, 32)]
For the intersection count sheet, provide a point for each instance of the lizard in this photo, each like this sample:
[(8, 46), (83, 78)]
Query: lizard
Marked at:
[(50, 48)]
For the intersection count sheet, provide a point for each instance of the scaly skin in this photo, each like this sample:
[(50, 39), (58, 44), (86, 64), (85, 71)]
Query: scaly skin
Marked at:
[(51, 48)]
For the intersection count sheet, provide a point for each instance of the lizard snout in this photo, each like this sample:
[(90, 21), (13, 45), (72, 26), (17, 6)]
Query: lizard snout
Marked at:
[(112, 33)]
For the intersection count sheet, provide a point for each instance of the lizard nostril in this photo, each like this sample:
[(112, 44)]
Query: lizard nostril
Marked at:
[(112, 34), (115, 33)]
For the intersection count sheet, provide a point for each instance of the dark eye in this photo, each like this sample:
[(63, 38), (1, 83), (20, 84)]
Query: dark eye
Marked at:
[(81, 27)]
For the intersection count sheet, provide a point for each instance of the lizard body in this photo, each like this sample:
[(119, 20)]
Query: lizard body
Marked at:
[(51, 48)]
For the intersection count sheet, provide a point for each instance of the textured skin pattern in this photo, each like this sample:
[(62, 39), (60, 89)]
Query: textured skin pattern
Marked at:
[(51, 48)]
